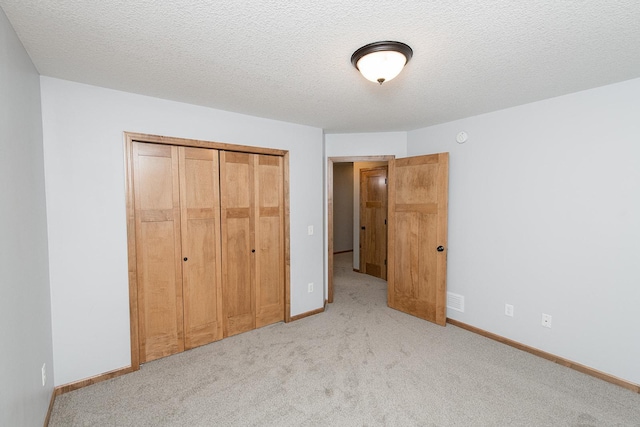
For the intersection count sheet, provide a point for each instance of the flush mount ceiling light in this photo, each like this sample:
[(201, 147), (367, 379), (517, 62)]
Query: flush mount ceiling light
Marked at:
[(381, 61)]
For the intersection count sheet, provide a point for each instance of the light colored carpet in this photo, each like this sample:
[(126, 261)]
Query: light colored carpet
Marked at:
[(359, 363)]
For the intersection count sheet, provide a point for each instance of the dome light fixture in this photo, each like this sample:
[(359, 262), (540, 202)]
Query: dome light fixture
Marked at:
[(381, 61)]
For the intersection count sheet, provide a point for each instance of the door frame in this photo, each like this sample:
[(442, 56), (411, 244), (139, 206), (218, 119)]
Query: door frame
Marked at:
[(129, 139), (330, 162)]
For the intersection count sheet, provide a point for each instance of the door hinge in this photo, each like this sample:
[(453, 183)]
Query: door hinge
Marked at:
[(385, 181), (385, 262), (385, 222)]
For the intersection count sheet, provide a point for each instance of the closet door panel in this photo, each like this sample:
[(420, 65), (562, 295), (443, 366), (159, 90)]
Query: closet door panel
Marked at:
[(200, 206), (269, 240), (238, 230), (158, 251)]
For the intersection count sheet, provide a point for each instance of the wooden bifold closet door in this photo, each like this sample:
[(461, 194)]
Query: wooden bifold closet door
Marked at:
[(252, 216), (177, 246), (209, 243)]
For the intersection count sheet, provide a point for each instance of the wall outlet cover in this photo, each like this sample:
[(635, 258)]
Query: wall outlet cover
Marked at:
[(508, 310)]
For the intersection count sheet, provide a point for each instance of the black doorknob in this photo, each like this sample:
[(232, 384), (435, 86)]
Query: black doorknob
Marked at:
[(185, 258), (440, 248), (253, 250)]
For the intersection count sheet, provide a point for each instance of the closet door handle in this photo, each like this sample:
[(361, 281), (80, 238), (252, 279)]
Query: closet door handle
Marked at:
[(253, 250), (186, 259), (440, 249)]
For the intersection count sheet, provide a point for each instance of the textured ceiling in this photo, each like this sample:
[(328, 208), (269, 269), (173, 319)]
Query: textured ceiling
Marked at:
[(290, 60)]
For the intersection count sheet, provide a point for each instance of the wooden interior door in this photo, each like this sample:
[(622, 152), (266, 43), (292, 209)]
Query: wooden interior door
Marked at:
[(417, 266), (158, 249), (373, 221), (269, 235), (201, 267), (238, 237)]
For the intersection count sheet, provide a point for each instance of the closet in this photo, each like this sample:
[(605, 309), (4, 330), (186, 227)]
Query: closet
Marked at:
[(208, 244)]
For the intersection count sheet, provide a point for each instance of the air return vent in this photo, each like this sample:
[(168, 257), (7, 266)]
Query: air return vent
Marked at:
[(455, 301)]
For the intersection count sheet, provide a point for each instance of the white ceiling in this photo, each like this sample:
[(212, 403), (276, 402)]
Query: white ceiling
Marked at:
[(290, 60)]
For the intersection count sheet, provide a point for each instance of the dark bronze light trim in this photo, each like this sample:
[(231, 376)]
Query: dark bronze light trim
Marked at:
[(379, 47)]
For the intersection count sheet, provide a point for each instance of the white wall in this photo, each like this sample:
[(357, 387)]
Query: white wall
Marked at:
[(84, 163), (544, 214), (343, 207), (25, 305), (366, 144)]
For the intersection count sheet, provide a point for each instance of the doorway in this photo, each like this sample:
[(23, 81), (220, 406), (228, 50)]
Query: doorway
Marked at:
[(380, 160), (417, 234)]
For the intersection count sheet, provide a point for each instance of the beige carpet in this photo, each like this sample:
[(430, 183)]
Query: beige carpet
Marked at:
[(360, 363)]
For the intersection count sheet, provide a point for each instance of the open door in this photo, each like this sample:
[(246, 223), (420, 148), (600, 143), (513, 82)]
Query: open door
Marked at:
[(373, 222), (417, 257)]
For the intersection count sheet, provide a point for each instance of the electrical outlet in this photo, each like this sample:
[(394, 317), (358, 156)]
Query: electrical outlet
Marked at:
[(310, 230), (508, 310), (546, 320), (310, 287), (44, 374)]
